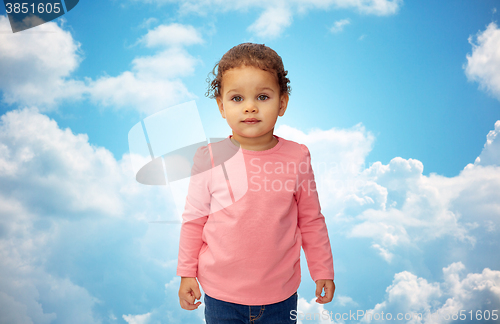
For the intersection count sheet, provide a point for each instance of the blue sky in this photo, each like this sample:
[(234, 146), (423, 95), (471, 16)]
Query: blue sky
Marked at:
[(406, 94)]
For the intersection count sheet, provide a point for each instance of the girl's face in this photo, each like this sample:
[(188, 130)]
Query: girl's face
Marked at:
[(250, 102)]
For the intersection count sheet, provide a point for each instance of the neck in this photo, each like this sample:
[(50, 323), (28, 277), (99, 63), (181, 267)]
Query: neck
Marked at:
[(263, 143)]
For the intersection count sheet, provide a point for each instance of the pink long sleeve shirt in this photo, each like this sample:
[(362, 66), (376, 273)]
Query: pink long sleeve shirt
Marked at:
[(245, 221)]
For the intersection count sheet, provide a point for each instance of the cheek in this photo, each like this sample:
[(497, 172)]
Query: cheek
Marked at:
[(230, 116)]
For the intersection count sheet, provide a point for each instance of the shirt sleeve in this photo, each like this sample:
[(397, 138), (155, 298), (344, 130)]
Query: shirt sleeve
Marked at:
[(195, 214), (311, 222)]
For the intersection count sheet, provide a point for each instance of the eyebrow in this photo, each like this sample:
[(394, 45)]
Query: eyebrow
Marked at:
[(260, 89)]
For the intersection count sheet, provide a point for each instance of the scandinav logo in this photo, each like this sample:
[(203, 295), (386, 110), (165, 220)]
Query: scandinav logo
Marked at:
[(26, 14)]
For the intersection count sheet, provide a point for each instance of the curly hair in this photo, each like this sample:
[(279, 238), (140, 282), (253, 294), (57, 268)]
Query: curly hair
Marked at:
[(248, 54)]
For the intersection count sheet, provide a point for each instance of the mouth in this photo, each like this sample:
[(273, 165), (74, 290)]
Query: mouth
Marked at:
[(251, 121)]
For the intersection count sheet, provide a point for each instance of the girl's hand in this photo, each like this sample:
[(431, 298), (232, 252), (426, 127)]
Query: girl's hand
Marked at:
[(189, 291), (329, 287)]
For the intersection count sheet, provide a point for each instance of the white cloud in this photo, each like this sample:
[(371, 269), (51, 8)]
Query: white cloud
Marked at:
[(28, 293), (71, 213), (422, 208), (477, 291), (373, 7), (36, 70), (148, 22), (483, 65), (16, 312), (335, 167), (137, 319), (341, 300), (312, 312), (168, 64), (277, 15), (474, 194), (408, 294), (26, 290), (172, 35), (154, 82), (43, 165), (129, 90), (272, 22), (384, 253), (424, 302), (35, 66), (338, 26), (395, 205), (490, 154)]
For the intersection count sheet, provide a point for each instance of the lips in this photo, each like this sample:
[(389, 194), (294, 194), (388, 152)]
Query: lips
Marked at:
[(251, 120)]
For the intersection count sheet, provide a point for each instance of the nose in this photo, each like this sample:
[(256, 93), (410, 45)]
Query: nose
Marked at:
[(251, 107)]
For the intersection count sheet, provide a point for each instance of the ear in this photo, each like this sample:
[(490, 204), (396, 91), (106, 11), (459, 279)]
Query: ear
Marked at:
[(283, 104), (221, 107)]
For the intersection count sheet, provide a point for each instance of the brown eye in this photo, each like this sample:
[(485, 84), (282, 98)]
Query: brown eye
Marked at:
[(263, 97), (237, 99)]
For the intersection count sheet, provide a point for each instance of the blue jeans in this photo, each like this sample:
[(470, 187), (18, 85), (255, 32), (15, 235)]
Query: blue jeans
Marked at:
[(221, 312)]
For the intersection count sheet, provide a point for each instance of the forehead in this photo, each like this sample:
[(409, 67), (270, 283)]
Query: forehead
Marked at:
[(248, 76)]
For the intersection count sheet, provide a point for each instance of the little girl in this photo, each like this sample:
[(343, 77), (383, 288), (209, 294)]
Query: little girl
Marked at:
[(246, 252)]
